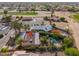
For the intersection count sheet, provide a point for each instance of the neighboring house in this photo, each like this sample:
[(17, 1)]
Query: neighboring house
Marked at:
[(55, 19), (32, 21), (30, 38), (20, 8), (4, 30)]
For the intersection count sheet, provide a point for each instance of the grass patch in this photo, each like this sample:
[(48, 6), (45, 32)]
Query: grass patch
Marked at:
[(17, 37), (21, 13), (25, 13), (76, 17)]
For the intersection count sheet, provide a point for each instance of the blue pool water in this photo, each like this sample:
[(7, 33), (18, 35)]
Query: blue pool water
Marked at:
[(22, 34)]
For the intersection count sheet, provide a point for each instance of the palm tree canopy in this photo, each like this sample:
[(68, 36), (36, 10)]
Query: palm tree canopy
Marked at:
[(16, 25)]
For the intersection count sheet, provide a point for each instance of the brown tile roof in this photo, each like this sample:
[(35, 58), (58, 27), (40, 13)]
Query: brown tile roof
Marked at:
[(27, 19)]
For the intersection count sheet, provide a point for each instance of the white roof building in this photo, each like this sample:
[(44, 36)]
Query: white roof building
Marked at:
[(42, 27), (4, 30), (37, 41)]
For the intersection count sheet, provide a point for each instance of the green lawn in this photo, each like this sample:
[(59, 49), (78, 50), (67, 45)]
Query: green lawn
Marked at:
[(21, 13), (76, 17)]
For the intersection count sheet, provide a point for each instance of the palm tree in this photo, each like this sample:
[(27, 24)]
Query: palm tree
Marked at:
[(52, 11), (17, 26), (5, 12), (14, 26), (8, 18), (20, 17), (26, 27)]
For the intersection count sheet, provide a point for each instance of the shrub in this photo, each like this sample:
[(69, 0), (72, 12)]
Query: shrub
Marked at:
[(1, 36), (5, 11), (19, 41), (43, 33), (54, 25), (71, 52), (43, 40), (42, 48), (30, 48), (62, 19), (46, 18), (4, 50), (68, 42)]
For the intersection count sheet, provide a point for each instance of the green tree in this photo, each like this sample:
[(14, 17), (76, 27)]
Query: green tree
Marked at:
[(62, 19), (4, 50), (42, 23), (17, 26), (20, 18), (26, 27), (68, 42), (5, 12), (54, 25), (1, 35), (31, 48), (8, 18), (52, 11), (19, 8), (50, 47), (42, 48), (33, 9), (47, 7), (71, 52), (43, 40), (19, 41)]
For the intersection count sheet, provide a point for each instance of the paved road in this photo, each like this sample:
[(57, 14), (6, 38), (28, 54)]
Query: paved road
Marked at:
[(5, 39), (74, 26)]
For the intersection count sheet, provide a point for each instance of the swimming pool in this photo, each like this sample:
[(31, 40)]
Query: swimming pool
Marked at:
[(22, 34)]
